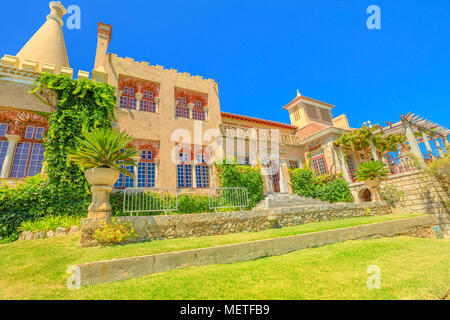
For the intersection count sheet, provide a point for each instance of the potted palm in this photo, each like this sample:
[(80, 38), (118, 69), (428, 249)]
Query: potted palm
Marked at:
[(103, 154), (371, 173)]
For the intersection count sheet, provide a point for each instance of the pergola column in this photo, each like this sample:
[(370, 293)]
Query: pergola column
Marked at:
[(343, 165), (427, 144), (12, 142), (413, 142), (438, 147), (446, 142), (374, 152)]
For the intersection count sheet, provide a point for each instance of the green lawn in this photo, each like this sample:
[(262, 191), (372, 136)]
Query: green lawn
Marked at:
[(410, 268)]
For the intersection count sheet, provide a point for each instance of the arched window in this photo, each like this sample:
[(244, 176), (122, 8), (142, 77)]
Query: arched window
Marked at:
[(29, 154), (181, 110), (198, 112), (128, 99), (147, 101)]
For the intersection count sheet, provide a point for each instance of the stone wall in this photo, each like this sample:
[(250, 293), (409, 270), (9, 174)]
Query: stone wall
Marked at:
[(206, 224)]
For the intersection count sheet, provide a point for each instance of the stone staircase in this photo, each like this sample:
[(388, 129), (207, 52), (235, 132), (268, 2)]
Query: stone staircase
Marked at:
[(285, 200)]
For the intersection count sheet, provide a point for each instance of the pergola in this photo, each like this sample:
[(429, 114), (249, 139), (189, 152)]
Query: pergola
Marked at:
[(411, 124)]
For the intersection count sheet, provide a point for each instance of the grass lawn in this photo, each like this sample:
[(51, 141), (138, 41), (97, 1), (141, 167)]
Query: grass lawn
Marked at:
[(410, 268)]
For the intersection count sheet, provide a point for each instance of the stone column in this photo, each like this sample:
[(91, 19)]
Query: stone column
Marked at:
[(7, 162), (343, 165), (157, 104), (135, 171), (156, 162), (283, 183), (138, 101), (194, 174), (191, 110), (427, 144), (118, 95), (206, 110), (374, 151), (413, 142)]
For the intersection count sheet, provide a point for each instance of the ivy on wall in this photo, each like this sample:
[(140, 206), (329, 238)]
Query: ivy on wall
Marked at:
[(80, 105)]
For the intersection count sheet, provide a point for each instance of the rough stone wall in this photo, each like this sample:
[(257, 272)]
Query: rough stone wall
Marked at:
[(423, 193), (205, 224)]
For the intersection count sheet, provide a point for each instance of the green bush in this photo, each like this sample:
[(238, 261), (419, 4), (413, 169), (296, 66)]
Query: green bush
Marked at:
[(192, 204), (336, 191), (304, 183), (35, 198), (50, 222), (234, 175)]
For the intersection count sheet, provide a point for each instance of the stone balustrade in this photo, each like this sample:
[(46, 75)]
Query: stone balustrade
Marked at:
[(261, 134)]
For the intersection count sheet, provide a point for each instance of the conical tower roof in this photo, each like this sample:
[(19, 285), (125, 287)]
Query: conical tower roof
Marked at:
[(47, 44)]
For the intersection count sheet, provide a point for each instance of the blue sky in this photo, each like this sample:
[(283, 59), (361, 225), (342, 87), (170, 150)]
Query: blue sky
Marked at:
[(261, 52)]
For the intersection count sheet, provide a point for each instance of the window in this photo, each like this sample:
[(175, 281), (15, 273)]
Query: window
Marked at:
[(146, 170), (147, 101), (3, 142), (319, 165), (198, 112), (184, 171), (184, 176), (29, 154), (325, 114), (127, 100), (181, 110), (3, 129), (125, 181), (293, 164), (201, 172)]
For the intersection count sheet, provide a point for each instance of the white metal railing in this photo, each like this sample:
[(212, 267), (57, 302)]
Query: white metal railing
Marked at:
[(221, 198), (137, 200)]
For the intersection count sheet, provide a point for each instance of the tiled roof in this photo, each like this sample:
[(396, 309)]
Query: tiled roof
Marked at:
[(310, 129)]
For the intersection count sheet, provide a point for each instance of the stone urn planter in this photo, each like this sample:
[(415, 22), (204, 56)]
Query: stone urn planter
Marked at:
[(101, 181), (372, 183)]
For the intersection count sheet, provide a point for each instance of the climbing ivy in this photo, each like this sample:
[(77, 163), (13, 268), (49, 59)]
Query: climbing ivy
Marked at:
[(80, 105)]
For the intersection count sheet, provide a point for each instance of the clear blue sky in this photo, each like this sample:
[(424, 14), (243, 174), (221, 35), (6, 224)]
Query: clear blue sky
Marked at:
[(261, 52)]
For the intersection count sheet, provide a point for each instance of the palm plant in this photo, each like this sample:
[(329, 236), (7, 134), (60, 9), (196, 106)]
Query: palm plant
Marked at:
[(371, 170), (107, 148)]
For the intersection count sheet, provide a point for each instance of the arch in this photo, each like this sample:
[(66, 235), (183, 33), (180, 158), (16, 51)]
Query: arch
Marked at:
[(365, 195)]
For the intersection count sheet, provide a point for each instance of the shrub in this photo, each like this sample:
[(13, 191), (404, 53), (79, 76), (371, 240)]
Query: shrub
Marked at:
[(192, 204), (390, 193), (50, 222), (441, 170), (234, 175), (304, 183), (336, 191), (34, 198), (115, 232)]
